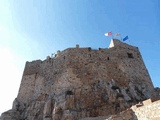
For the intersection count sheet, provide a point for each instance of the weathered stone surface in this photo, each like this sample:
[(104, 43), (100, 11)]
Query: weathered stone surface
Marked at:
[(47, 112), (156, 93), (10, 115), (83, 83), (149, 110), (124, 115)]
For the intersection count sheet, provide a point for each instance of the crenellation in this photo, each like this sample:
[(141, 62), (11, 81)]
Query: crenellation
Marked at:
[(148, 109)]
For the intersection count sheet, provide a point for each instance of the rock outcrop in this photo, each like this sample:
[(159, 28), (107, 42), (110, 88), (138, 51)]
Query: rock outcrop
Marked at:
[(80, 82)]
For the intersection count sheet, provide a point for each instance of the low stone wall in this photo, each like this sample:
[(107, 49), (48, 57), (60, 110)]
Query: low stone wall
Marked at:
[(150, 110)]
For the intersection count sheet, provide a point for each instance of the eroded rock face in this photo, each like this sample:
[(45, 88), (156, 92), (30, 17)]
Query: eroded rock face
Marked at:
[(156, 93), (10, 115), (80, 83)]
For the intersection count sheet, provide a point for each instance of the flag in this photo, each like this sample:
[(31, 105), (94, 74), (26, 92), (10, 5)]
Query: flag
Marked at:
[(117, 34), (124, 39), (108, 34)]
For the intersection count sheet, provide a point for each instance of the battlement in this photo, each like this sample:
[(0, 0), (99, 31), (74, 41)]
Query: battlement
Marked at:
[(118, 50), (148, 109), (114, 44), (145, 103)]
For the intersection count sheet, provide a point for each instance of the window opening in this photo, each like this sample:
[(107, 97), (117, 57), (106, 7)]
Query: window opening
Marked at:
[(130, 55)]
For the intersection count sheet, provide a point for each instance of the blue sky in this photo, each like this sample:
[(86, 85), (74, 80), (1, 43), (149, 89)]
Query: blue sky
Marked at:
[(34, 29)]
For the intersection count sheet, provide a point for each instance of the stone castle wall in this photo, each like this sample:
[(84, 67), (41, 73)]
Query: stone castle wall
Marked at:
[(81, 82), (122, 63)]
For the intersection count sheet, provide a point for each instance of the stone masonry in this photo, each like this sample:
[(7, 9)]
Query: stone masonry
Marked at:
[(81, 82), (150, 110)]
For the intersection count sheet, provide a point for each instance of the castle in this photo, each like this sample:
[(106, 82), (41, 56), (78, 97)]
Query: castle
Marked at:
[(81, 82)]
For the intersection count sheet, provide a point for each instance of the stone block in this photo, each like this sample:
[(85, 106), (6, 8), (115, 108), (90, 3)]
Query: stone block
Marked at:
[(147, 102)]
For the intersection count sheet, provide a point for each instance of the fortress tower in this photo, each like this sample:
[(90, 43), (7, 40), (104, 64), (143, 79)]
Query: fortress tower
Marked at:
[(81, 82)]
